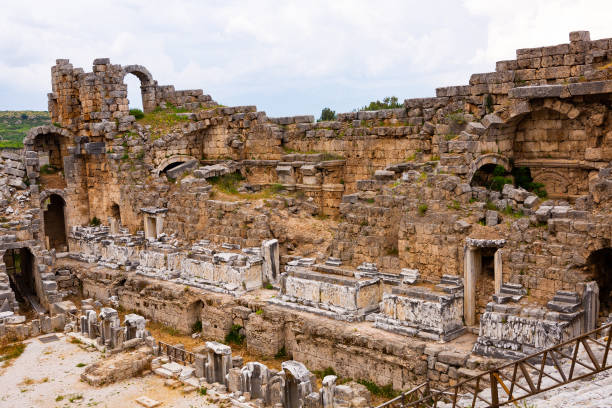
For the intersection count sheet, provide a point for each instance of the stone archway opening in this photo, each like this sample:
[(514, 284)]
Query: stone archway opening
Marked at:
[(20, 269), (599, 269), (134, 92), (140, 78), (483, 177), (55, 223)]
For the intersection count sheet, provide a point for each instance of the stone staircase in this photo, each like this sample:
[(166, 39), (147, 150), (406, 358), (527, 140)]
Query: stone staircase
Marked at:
[(509, 292)]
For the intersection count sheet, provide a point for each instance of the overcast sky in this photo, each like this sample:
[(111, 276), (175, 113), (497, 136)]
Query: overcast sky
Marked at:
[(286, 57)]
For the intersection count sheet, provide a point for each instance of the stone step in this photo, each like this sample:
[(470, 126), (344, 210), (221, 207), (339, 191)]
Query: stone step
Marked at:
[(562, 307), (512, 291), (565, 296)]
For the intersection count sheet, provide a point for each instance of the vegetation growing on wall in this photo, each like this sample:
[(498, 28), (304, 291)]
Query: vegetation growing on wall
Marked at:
[(389, 102)]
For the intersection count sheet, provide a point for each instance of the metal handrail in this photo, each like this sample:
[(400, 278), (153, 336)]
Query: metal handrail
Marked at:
[(176, 354), (511, 385)]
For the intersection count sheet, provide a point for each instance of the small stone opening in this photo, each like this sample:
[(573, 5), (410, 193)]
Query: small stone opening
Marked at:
[(51, 148), (55, 223), (485, 285), (170, 167), (20, 269), (599, 269)]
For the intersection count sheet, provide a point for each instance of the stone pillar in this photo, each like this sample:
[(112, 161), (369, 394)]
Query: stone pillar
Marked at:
[(219, 362), (590, 303), (497, 263), (271, 261), (159, 225), (472, 266), (327, 391), (92, 320), (114, 225)]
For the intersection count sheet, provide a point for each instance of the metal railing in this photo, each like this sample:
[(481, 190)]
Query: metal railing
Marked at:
[(175, 353), (522, 378)]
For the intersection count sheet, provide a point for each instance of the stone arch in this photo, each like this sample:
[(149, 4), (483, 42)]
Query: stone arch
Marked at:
[(556, 183), (172, 160), (48, 144), (148, 85), (490, 158)]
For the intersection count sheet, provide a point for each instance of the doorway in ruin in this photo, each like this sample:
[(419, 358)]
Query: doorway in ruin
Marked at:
[(599, 269), (115, 218), (55, 223), (482, 278), (194, 316), (51, 149), (20, 270)]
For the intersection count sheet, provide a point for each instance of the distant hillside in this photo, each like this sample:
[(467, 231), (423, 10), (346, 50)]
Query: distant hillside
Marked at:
[(15, 124)]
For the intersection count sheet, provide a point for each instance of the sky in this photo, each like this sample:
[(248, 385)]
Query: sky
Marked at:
[(286, 57)]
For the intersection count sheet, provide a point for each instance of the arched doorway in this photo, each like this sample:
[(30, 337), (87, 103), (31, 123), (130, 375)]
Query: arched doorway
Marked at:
[(55, 223), (142, 79), (20, 269), (599, 269)]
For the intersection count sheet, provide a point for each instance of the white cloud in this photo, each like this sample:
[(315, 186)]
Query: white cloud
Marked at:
[(288, 57)]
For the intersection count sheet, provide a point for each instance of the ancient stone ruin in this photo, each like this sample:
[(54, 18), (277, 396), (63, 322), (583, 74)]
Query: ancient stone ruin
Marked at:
[(423, 243)]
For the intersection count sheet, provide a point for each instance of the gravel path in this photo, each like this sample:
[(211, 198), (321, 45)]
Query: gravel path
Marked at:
[(48, 375)]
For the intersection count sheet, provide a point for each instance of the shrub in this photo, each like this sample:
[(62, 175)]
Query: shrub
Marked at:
[(282, 353), (385, 391), (327, 114), (269, 286), (522, 178), (498, 182), (197, 327), (234, 336), (259, 312), (95, 222), (48, 169), (137, 113), (389, 102), (422, 208), (202, 391)]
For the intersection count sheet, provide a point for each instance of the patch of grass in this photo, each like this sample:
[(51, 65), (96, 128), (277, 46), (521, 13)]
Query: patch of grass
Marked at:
[(276, 187), (259, 312), (59, 398), (386, 391), (454, 206), (81, 365), (234, 336), (324, 373), (269, 286), (228, 183), (202, 390), (137, 113), (450, 136), (422, 209), (11, 351), (490, 206), (511, 212), (75, 397), (75, 341)]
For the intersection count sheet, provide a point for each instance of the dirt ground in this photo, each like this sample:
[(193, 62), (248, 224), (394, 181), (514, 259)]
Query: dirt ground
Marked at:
[(48, 376)]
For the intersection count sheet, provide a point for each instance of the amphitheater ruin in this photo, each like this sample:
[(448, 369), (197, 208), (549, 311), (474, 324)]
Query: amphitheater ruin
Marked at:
[(426, 243)]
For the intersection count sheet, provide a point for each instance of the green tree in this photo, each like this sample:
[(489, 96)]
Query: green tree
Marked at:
[(327, 114), (389, 102)]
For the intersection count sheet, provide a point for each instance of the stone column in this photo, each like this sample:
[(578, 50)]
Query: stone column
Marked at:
[(114, 225), (472, 266), (497, 263), (271, 261), (590, 303)]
